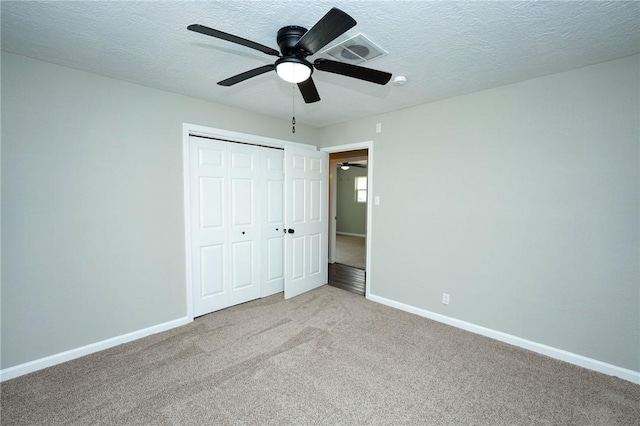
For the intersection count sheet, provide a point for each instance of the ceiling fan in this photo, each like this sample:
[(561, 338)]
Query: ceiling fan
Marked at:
[(296, 43), (345, 165)]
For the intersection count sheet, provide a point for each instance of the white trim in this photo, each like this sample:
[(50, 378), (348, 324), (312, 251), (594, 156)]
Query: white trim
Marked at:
[(348, 147), (351, 234), (368, 145), (572, 358), (49, 361), (186, 172), (196, 130), (333, 214)]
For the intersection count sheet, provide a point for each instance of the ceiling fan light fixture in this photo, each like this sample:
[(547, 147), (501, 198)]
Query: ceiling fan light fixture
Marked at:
[(345, 167), (293, 69), (296, 44)]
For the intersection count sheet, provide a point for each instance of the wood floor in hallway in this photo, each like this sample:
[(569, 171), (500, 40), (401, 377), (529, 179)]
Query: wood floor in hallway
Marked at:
[(347, 278)]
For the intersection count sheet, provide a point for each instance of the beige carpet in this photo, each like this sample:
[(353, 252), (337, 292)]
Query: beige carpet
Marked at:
[(325, 357), (351, 251)]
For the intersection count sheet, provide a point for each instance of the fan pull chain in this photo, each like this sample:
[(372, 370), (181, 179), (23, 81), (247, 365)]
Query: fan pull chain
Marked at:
[(293, 102)]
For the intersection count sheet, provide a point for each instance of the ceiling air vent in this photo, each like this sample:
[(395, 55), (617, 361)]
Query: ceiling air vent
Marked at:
[(354, 50)]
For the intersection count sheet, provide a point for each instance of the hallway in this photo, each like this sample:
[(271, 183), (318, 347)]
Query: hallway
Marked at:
[(351, 251)]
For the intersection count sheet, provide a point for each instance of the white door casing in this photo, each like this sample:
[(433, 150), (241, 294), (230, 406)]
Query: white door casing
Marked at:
[(368, 145), (306, 186)]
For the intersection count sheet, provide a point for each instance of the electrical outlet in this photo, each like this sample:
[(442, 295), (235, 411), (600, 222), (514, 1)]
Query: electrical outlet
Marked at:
[(445, 299)]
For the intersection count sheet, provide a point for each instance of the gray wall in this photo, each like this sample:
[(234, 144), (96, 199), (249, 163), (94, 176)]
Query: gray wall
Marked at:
[(352, 216), (522, 202), (92, 204)]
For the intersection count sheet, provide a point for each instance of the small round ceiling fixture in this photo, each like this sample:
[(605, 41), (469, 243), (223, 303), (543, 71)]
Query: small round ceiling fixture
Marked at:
[(400, 80)]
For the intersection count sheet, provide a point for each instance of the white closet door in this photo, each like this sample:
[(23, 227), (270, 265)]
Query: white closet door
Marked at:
[(209, 257), (244, 222), (241, 196), (272, 221), (306, 186)]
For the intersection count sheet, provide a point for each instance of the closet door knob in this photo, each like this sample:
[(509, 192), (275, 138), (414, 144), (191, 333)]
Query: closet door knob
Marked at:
[(290, 231)]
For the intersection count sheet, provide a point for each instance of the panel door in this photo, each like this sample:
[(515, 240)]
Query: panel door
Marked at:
[(244, 222), (209, 252), (306, 185), (272, 221)]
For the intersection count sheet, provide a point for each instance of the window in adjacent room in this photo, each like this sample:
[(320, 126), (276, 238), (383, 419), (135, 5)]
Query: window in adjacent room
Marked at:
[(361, 189)]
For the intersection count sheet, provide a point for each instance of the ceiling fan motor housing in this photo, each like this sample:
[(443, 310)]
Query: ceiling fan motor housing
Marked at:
[(288, 66), (287, 39)]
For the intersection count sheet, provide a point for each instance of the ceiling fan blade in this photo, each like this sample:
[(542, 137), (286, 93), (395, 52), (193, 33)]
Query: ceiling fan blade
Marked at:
[(332, 25), (246, 75), (309, 91), (354, 71), (233, 39)]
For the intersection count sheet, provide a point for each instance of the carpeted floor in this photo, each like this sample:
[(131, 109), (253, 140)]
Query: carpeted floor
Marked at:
[(325, 357), (351, 251)]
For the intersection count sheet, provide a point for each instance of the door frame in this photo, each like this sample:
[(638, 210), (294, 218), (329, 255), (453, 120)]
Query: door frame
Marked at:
[(368, 145), (224, 135)]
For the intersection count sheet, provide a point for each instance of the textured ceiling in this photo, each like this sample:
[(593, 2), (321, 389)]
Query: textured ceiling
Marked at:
[(443, 48)]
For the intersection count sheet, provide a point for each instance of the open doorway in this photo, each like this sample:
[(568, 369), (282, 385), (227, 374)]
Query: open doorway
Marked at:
[(351, 212), (348, 205)]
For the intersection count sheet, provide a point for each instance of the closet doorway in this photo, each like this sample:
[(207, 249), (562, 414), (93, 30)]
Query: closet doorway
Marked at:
[(236, 208)]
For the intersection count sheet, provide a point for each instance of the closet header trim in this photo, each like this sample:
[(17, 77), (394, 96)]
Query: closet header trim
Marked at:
[(232, 141)]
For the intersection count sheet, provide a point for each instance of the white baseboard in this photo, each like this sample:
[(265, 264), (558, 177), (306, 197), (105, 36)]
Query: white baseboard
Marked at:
[(582, 361), (350, 234), (39, 364)]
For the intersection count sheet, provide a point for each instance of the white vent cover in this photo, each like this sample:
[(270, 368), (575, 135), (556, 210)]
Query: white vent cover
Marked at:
[(354, 50)]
